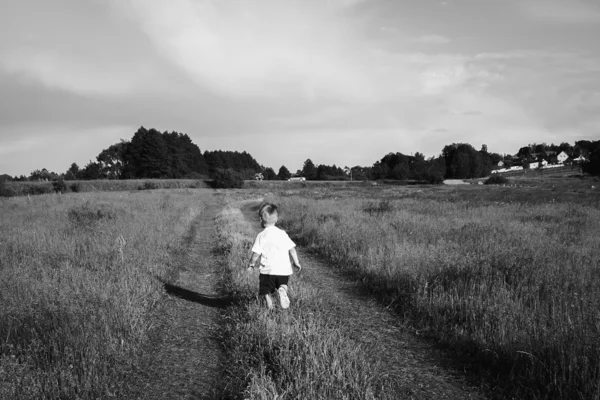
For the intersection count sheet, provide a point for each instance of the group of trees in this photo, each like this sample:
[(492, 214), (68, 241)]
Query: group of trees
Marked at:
[(322, 172), (152, 154), (270, 175), (149, 154), (464, 162), (580, 148), (242, 163), (402, 167)]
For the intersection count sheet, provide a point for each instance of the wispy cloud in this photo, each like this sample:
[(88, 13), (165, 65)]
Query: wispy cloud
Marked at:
[(264, 48), (562, 11), (432, 39), (61, 71)]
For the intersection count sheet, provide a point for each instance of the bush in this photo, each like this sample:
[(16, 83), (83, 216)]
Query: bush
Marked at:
[(75, 187), (60, 186), (228, 179), (435, 177), (148, 185), (3, 189), (36, 189), (496, 180)]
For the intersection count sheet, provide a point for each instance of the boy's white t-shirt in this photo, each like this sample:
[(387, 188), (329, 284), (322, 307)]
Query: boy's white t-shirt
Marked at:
[(273, 245)]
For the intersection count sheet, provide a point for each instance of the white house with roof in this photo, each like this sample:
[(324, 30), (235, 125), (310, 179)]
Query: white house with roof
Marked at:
[(562, 157)]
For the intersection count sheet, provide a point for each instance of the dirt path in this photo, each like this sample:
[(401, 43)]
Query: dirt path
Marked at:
[(184, 360), (415, 366)]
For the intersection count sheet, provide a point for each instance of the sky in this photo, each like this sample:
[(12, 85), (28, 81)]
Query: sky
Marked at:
[(338, 81)]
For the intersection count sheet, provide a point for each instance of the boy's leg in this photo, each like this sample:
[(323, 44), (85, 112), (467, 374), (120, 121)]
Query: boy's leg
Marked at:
[(266, 287), (284, 300), (269, 301)]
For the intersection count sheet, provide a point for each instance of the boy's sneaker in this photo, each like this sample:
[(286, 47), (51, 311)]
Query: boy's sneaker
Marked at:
[(283, 297), (269, 302)]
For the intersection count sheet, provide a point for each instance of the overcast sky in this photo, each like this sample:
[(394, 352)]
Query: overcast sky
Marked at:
[(337, 81)]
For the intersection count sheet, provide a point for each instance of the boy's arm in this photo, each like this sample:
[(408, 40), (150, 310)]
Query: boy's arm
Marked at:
[(295, 258), (252, 262)]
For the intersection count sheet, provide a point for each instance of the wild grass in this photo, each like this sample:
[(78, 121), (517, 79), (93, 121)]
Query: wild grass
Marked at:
[(10, 189), (514, 286), (299, 353), (78, 287)]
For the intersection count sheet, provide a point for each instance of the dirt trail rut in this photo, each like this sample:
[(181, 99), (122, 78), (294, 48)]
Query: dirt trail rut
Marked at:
[(186, 360), (414, 366)]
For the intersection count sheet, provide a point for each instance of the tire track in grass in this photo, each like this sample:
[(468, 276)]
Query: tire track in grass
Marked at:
[(185, 358), (413, 365)]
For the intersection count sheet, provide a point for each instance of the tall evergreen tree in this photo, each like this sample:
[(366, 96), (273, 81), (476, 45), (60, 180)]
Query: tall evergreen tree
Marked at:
[(269, 174), (309, 171), (242, 163), (284, 174)]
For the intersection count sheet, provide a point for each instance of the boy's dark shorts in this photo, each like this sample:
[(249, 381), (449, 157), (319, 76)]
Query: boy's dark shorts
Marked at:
[(270, 283)]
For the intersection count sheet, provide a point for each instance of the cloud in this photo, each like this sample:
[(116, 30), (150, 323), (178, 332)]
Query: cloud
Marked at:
[(263, 48), (432, 39), (79, 47), (61, 71), (561, 11), (557, 89)]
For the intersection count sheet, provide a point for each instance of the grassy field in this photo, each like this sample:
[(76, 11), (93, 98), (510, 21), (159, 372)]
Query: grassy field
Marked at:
[(77, 287), (302, 353), (508, 276), (10, 189)]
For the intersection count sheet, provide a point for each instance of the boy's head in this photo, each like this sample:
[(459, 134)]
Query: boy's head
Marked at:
[(268, 214)]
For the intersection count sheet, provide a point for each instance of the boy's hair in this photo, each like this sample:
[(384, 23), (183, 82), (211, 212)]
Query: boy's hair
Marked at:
[(268, 213)]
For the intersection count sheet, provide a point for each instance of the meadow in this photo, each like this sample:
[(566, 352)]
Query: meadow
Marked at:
[(303, 353), (78, 287), (13, 188), (506, 277)]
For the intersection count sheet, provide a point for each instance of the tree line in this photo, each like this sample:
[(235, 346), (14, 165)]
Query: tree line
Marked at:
[(152, 154), (172, 155)]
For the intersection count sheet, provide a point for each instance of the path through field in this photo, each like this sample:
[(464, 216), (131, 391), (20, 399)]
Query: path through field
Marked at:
[(416, 368), (185, 359)]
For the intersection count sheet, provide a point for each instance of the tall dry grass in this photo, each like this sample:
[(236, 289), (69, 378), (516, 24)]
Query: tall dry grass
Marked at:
[(302, 353), (514, 286), (14, 188), (77, 287)]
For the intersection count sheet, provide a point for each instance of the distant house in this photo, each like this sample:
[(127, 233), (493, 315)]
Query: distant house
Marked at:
[(562, 157), (500, 164)]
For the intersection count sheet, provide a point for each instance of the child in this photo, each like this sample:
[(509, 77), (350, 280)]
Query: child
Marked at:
[(274, 247)]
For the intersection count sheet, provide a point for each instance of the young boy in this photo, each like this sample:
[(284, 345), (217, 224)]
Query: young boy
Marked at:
[(274, 247)]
